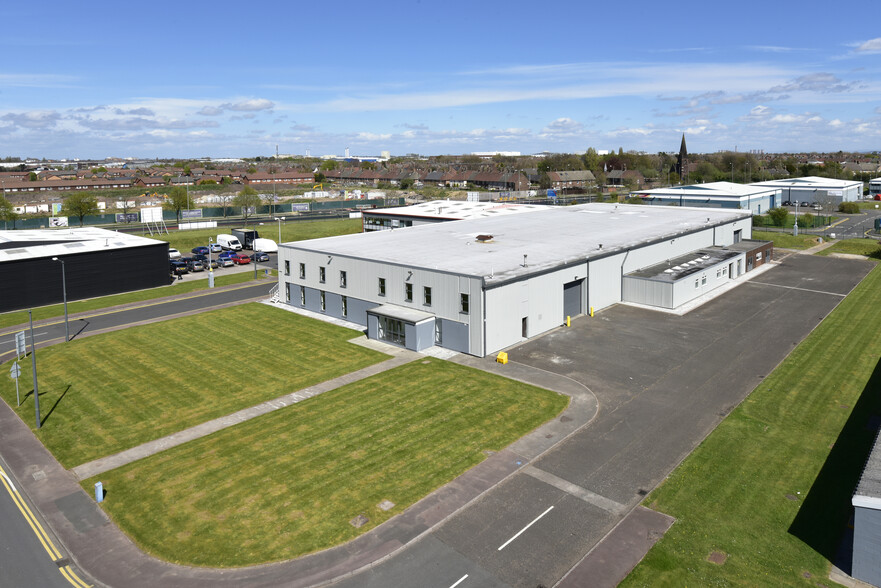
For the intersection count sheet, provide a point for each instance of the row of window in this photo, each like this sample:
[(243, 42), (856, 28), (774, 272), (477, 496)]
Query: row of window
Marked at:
[(464, 301)]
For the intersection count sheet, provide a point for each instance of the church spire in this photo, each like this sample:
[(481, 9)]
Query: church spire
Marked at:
[(682, 162)]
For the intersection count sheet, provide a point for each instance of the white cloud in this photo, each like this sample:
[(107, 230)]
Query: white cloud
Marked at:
[(565, 126), (34, 119), (870, 46), (252, 105)]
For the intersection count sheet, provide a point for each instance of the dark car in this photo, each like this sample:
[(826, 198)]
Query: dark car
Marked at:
[(227, 255), (240, 259), (178, 267), (787, 203), (261, 256), (201, 250)]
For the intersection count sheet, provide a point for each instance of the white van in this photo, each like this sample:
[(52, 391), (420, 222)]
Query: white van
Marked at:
[(265, 245), (229, 242)]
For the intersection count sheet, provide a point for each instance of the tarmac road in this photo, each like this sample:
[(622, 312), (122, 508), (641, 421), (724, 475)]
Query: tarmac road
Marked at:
[(53, 330)]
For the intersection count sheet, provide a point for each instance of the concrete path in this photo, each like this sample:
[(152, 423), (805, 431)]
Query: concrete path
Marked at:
[(101, 465)]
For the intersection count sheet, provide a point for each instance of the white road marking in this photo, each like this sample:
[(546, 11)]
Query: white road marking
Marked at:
[(584, 494), (459, 581), (796, 288), (27, 338), (520, 532)]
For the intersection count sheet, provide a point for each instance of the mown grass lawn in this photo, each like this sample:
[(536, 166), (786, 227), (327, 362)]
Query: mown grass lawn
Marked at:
[(102, 394), (786, 240), (19, 317), (184, 241), (869, 247), (288, 483), (771, 486)]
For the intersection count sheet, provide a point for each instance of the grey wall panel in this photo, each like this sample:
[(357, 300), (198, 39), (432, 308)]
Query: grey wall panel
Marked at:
[(358, 310), (372, 326), (455, 336), (410, 337), (333, 305), (867, 545), (424, 336)]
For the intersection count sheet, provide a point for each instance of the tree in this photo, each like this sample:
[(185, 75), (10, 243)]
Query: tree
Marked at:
[(247, 198), (176, 200), (124, 205), (225, 201), (320, 178), (32, 177), (778, 216), (328, 165), (80, 204), (7, 212)]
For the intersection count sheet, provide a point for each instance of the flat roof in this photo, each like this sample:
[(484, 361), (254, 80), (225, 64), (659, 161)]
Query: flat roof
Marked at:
[(34, 243), (683, 266), (810, 182), (454, 209), (711, 190), (522, 244), (868, 492)]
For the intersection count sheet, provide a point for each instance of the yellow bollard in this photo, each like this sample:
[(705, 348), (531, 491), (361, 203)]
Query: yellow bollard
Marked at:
[(591, 311), (568, 321), (502, 357)]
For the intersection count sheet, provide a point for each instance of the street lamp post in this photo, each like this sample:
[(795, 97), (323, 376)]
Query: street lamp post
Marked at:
[(64, 294), (279, 219), (795, 224)]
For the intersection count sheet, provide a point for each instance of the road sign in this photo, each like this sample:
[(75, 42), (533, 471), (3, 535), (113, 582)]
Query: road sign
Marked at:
[(20, 344), (15, 370)]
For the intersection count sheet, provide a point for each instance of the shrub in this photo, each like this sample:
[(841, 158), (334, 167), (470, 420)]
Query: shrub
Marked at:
[(778, 216), (849, 207)]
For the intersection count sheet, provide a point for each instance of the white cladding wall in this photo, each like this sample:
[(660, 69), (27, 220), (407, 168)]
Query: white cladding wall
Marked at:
[(362, 282), (539, 299)]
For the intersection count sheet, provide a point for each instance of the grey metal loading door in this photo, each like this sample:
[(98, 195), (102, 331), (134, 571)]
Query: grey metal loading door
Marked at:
[(572, 298)]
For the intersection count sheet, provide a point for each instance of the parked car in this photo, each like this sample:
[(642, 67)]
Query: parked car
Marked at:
[(805, 204), (229, 242), (194, 265), (787, 203), (215, 247), (178, 267), (224, 262), (213, 264), (173, 253), (201, 250), (241, 259), (227, 255), (817, 207), (261, 256)]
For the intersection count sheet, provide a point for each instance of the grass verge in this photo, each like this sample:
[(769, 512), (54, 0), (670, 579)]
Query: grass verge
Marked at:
[(288, 483), (786, 240), (19, 317), (771, 486), (102, 394), (871, 248)]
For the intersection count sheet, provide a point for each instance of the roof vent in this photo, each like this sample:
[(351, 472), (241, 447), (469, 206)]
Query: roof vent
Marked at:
[(484, 238)]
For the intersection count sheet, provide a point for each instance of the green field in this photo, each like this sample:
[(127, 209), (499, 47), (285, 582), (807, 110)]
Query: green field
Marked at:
[(786, 240), (106, 393), (19, 317), (771, 486), (288, 483), (871, 248), (184, 241)]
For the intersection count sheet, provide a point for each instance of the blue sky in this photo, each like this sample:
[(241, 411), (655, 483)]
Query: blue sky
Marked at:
[(162, 79)]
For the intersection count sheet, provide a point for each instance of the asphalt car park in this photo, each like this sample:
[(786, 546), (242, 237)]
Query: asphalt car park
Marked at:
[(662, 383)]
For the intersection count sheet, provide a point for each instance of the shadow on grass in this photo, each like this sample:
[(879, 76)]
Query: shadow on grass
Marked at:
[(822, 520), (44, 419)]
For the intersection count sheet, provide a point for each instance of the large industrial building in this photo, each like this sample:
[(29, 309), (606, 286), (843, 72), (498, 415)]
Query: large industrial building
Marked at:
[(827, 192), (478, 286), (757, 199), (866, 503), (437, 211), (96, 262)]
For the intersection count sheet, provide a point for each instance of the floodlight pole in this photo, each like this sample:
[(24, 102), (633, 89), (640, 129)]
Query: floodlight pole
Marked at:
[(64, 294), (795, 224), (279, 219), (34, 369)]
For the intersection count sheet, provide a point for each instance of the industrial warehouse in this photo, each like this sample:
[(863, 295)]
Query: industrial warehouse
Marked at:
[(757, 199), (480, 285), (40, 267)]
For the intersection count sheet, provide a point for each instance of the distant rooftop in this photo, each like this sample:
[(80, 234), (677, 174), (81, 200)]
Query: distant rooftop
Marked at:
[(28, 244), (456, 209), (711, 190), (808, 182), (505, 247)]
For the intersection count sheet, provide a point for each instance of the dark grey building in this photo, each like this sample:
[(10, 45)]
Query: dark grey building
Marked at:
[(867, 521), (96, 262)]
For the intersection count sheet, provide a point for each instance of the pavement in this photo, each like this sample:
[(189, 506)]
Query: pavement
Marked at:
[(95, 545)]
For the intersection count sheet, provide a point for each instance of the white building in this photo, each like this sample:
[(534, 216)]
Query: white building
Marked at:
[(384, 219), (757, 199), (478, 286), (815, 190)]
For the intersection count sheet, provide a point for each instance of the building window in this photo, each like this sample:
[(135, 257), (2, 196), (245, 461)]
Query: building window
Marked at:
[(302, 296), (321, 274), (382, 286), (321, 304), (344, 309), (302, 271), (704, 280), (408, 292), (426, 296), (391, 330), (438, 332), (463, 303), (697, 283), (287, 292), (287, 267), (342, 279)]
